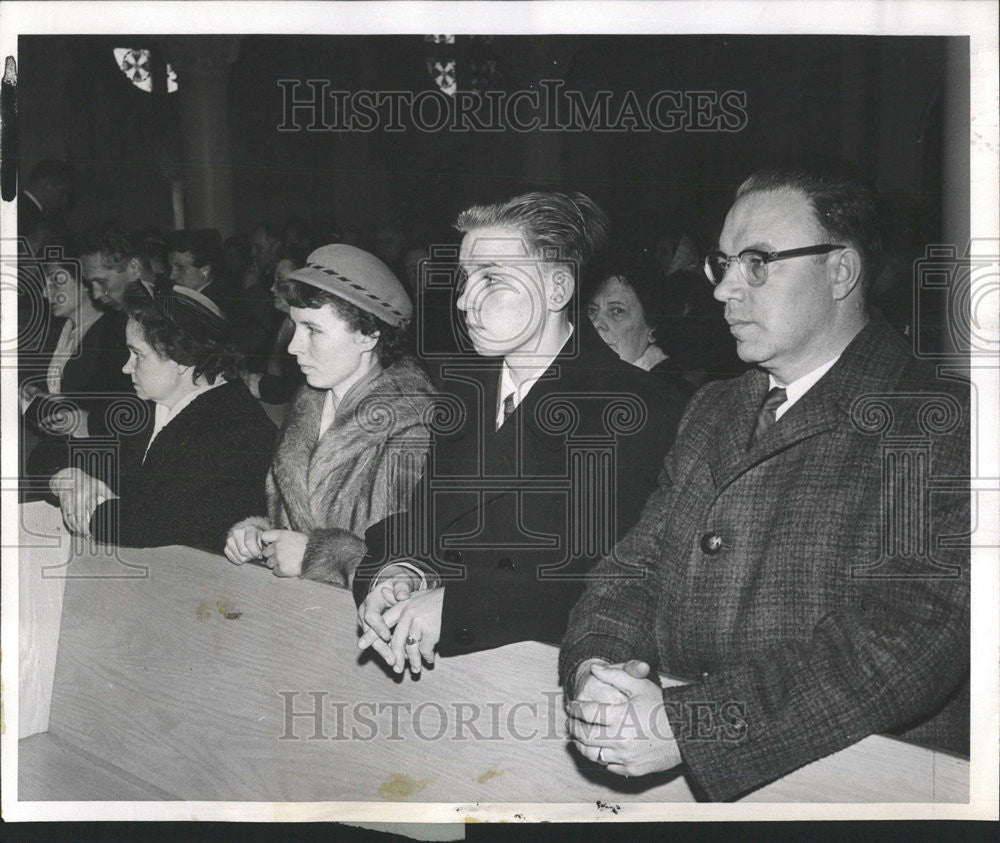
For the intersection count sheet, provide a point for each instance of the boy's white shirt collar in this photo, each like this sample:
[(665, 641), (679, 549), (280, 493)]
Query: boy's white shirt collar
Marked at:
[(508, 387)]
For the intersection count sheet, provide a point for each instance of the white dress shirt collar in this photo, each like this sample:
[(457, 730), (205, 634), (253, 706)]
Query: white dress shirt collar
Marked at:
[(520, 391), (799, 387)]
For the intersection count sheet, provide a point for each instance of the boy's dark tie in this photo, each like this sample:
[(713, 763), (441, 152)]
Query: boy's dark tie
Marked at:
[(508, 407)]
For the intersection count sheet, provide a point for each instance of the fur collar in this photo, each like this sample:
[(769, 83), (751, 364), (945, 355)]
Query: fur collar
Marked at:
[(344, 478)]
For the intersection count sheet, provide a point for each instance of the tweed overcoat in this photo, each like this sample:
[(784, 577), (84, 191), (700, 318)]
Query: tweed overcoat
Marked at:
[(815, 585), (361, 470), (512, 519)]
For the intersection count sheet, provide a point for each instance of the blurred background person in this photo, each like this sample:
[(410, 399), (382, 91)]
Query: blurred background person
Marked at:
[(86, 350), (44, 205), (264, 245), (296, 234), (152, 248), (390, 244), (278, 375), (236, 257), (256, 320), (111, 259), (692, 330)]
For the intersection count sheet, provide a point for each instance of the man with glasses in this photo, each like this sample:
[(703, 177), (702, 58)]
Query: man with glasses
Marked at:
[(790, 566)]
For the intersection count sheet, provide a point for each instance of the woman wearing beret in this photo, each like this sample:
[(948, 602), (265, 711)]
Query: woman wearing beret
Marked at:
[(355, 436), (193, 461)]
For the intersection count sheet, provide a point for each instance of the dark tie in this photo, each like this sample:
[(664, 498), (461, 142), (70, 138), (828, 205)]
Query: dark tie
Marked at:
[(508, 407), (765, 416)]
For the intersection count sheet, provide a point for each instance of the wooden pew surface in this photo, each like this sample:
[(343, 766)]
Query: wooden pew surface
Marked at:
[(174, 675)]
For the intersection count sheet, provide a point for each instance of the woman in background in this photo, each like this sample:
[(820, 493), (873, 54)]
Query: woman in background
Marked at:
[(281, 375), (624, 306), (66, 394), (197, 461), (355, 436)]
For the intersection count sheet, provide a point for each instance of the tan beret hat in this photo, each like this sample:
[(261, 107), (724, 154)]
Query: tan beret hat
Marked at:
[(357, 277)]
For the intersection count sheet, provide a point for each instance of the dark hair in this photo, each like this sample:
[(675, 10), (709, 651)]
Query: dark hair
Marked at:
[(114, 245), (150, 246), (294, 252), (556, 226), (638, 271), (842, 199), (70, 268), (210, 359), (271, 229), (393, 341), (203, 244), (297, 232)]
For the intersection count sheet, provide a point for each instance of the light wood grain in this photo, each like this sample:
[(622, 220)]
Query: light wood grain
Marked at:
[(176, 680), (82, 776), (44, 546)]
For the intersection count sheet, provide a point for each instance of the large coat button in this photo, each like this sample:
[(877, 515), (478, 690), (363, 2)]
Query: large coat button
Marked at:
[(453, 556), (505, 563), (463, 635), (711, 543)]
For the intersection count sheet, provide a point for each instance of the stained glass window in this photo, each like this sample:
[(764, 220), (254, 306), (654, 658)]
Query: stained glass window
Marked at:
[(466, 61), (136, 66), (443, 74)]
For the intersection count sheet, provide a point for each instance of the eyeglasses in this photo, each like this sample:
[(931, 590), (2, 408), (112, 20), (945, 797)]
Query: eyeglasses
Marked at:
[(753, 262)]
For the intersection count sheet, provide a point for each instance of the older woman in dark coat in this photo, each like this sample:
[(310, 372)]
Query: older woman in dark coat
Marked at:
[(625, 306), (200, 445)]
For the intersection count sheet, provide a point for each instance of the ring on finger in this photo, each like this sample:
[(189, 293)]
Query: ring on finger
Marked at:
[(410, 640), (600, 756)]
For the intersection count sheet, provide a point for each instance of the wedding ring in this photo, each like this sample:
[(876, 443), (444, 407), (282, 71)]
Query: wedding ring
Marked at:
[(410, 639)]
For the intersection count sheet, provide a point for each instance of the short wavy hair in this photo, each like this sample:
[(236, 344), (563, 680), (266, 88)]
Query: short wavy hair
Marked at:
[(393, 341), (115, 246), (635, 269), (203, 244), (210, 359), (567, 227), (843, 201)]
